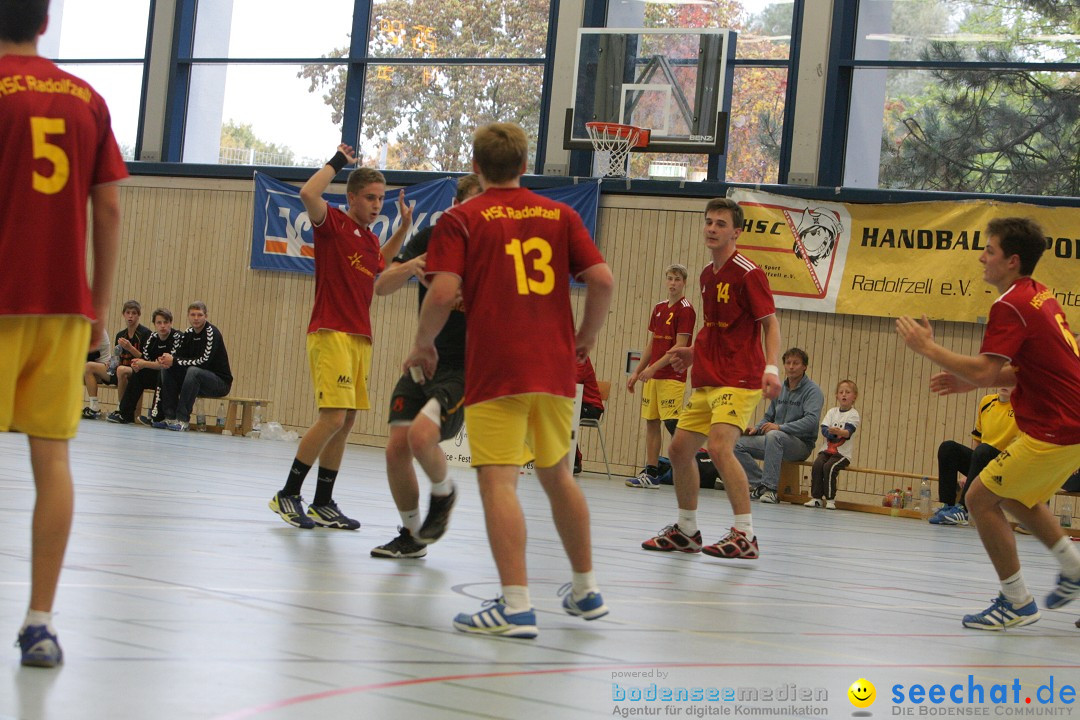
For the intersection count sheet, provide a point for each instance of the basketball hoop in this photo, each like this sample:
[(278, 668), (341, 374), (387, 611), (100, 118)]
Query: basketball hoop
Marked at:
[(613, 143)]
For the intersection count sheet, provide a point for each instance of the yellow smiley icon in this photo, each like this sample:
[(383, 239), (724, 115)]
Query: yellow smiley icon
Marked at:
[(862, 693)]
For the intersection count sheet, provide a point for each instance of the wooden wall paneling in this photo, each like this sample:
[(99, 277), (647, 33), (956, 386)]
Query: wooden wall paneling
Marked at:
[(189, 239)]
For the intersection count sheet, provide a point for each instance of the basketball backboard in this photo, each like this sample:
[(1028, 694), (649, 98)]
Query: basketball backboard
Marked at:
[(676, 82)]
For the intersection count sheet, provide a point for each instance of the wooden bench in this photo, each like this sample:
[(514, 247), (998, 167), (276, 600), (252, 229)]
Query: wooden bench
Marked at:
[(238, 408), (791, 480), (246, 409)]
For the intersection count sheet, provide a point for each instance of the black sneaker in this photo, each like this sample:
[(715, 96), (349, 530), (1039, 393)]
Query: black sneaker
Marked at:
[(438, 517), (757, 491), (89, 414), (403, 546), (291, 510), (330, 516), (116, 417)]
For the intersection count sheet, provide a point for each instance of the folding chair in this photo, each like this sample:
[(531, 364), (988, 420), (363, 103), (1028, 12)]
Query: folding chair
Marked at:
[(605, 388)]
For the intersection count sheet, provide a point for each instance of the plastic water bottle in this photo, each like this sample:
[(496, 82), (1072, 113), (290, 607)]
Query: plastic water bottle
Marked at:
[(256, 420), (909, 499), (1066, 514), (200, 422), (924, 497), (221, 416)]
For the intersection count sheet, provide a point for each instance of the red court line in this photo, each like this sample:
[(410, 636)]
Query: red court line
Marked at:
[(288, 702)]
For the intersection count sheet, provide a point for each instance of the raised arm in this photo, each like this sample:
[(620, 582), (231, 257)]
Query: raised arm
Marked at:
[(393, 245), (311, 194)]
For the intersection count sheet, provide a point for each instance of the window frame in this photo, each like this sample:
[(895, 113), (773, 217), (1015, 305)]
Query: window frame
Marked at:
[(182, 61)]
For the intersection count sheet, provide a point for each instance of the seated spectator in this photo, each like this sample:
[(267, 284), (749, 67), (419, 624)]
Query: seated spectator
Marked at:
[(116, 369), (146, 371), (787, 432), (197, 367), (995, 428), (592, 405), (838, 428)]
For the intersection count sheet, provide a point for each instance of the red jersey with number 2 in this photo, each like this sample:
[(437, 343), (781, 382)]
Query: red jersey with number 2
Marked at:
[(734, 299), (1027, 326), (56, 143), (666, 324), (515, 252)]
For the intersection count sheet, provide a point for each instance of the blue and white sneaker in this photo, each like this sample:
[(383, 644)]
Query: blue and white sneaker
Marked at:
[(935, 519), (589, 607), (643, 481), (1066, 591), (1003, 614), (40, 648), (493, 620), (955, 515)]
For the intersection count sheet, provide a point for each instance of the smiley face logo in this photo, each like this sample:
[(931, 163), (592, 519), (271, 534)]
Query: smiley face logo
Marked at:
[(862, 693)]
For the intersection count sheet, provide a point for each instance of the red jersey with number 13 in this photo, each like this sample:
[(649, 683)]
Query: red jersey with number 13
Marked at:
[(1027, 326), (666, 324), (56, 143), (734, 299), (515, 252)]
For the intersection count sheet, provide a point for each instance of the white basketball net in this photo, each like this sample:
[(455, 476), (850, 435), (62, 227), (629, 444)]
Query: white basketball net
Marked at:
[(612, 146)]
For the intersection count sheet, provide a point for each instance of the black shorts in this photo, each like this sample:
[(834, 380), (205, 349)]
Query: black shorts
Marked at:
[(448, 389)]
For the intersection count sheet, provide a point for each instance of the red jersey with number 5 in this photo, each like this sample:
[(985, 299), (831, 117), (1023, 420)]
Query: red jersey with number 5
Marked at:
[(1027, 327), (514, 251), (666, 324), (734, 299), (56, 143)]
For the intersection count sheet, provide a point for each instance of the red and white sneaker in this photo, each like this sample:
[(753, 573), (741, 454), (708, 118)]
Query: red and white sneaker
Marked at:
[(672, 539), (734, 545)]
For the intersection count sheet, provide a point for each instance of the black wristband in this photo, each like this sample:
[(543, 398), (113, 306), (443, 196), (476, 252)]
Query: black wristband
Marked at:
[(338, 162)]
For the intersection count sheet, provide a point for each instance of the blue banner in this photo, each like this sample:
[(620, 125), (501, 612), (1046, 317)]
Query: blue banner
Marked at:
[(281, 233)]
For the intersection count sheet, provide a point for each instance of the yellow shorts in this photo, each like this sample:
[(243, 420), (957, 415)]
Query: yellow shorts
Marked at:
[(339, 365), (41, 374), (709, 406), (1029, 470), (513, 430), (661, 399)]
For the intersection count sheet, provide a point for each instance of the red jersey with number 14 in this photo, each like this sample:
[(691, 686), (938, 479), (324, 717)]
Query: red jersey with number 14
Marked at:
[(666, 324), (1027, 326), (734, 299), (515, 252), (56, 143), (347, 259)]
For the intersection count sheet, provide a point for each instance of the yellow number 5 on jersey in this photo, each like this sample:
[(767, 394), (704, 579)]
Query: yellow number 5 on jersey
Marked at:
[(542, 264), (1068, 335), (40, 129)]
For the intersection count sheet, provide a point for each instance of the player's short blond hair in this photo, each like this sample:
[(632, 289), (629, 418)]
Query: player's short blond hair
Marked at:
[(361, 177), (467, 186), (500, 150), (678, 269)]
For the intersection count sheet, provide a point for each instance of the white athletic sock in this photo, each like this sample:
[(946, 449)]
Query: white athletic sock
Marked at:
[(1015, 591), (583, 583), (94, 404), (745, 524), (442, 488), (37, 617), (1068, 556), (410, 520), (688, 522), (517, 598)]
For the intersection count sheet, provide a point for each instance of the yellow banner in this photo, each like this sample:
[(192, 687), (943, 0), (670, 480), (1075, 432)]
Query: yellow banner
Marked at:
[(891, 260)]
